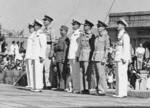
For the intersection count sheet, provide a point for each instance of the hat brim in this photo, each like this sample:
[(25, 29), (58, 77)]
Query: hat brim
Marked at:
[(121, 22), (76, 24), (46, 19), (88, 25), (37, 24)]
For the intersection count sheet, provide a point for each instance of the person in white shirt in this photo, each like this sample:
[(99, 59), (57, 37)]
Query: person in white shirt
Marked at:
[(140, 51), (12, 51), (17, 54)]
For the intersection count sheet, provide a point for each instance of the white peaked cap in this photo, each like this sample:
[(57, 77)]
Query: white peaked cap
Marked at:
[(38, 21), (123, 21)]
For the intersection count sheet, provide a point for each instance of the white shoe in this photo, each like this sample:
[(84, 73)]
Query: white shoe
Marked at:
[(69, 90), (28, 86), (118, 96), (36, 90)]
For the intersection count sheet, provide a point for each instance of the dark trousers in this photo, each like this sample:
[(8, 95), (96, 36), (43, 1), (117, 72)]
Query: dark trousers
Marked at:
[(60, 75), (83, 75), (75, 74)]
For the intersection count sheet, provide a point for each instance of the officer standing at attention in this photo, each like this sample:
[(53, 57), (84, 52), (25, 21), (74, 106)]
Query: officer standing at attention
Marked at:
[(122, 58), (39, 55), (51, 39), (73, 56), (84, 54), (100, 56), (61, 50), (28, 56)]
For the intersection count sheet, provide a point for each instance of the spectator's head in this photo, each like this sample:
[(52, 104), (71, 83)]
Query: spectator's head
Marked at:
[(18, 42), (141, 45), (13, 42)]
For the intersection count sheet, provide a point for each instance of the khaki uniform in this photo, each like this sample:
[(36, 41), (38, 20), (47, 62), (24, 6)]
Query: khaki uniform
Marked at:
[(61, 50), (49, 54), (122, 53), (84, 58), (99, 58)]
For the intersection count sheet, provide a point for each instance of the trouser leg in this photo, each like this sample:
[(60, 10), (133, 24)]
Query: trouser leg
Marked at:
[(75, 76), (31, 73), (28, 72), (102, 84), (92, 76), (47, 72), (62, 77), (83, 78), (82, 81), (38, 75), (122, 81)]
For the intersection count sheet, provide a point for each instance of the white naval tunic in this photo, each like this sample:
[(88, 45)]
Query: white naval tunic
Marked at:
[(73, 44)]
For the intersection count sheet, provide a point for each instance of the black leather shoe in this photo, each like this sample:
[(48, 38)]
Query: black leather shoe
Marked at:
[(100, 94)]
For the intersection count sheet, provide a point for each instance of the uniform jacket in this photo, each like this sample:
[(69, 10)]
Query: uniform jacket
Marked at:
[(29, 48), (73, 47), (51, 39), (39, 45), (61, 49), (123, 47), (85, 46), (101, 48)]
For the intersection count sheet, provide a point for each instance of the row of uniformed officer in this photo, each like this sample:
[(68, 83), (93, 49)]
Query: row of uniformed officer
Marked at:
[(84, 48)]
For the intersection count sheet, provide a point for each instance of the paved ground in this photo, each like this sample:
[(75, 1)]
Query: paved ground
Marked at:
[(10, 97)]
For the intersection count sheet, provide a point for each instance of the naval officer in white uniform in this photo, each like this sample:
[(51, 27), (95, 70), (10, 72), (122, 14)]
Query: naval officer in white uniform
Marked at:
[(122, 58), (28, 56), (39, 55)]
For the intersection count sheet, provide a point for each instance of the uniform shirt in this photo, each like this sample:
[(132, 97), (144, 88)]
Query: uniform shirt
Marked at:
[(101, 47), (140, 51), (17, 54), (51, 38), (84, 46), (61, 49), (29, 48), (12, 49), (73, 48), (39, 45), (146, 53), (123, 47), (50, 33)]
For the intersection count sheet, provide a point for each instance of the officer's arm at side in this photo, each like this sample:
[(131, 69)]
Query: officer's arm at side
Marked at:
[(43, 44), (126, 47)]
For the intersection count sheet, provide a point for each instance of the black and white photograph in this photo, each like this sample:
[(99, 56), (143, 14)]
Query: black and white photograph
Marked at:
[(74, 53)]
